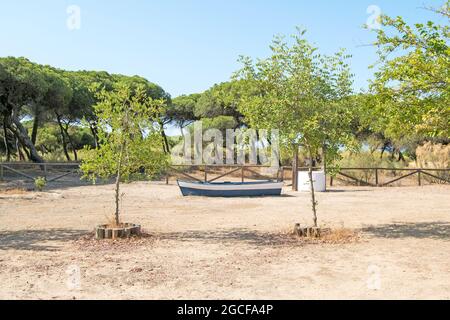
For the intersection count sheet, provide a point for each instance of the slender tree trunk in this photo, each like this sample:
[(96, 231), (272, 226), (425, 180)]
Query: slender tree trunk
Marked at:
[(75, 154), (34, 132), (63, 136), (66, 131), (5, 139), (295, 168), (26, 152), (19, 151), (119, 167), (93, 128), (166, 141), (382, 151), (311, 182), (22, 135), (324, 163), (183, 138)]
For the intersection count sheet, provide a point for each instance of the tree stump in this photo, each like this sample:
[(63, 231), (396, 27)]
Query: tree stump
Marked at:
[(125, 230)]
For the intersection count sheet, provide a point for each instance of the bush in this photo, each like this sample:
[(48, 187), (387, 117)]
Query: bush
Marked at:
[(40, 183)]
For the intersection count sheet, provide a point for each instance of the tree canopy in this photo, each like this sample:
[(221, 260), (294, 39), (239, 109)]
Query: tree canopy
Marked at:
[(302, 94), (411, 88), (296, 90), (46, 95), (130, 140)]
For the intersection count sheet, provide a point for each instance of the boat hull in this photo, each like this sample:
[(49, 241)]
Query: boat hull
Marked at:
[(230, 189)]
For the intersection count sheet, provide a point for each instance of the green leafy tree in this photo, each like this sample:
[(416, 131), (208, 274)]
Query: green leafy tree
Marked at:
[(412, 84), (22, 85), (221, 100), (182, 110), (57, 99), (129, 135), (302, 94), (44, 96)]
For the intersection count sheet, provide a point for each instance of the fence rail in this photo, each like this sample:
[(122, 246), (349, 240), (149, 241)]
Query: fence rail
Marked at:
[(375, 177), (29, 171), (436, 175)]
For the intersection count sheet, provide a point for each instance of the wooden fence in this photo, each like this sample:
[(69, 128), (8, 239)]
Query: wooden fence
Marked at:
[(375, 177), (29, 171), (394, 175)]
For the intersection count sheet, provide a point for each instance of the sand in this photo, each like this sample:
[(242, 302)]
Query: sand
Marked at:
[(217, 248)]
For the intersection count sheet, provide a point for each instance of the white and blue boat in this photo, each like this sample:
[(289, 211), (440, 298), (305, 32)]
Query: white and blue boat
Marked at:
[(231, 189)]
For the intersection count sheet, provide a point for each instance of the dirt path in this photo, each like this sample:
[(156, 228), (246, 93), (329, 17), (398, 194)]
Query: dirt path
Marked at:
[(225, 248)]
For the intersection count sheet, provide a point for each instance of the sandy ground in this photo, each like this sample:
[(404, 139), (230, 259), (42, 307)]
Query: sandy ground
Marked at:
[(214, 248)]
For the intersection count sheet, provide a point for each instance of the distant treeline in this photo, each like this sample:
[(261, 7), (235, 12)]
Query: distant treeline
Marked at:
[(43, 107), (47, 113)]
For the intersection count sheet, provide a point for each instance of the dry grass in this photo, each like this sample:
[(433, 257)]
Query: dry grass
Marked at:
[(111, 222), (341, 236), (90, 243), (436, 156)]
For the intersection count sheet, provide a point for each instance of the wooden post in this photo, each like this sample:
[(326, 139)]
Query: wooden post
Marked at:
[(295, 169), (331, 181), (206, 173), (167, 178), (376, 177), (419, 178), (242, 174), (282, 173)]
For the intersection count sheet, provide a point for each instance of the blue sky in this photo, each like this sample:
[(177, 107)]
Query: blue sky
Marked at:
[(187, 46)]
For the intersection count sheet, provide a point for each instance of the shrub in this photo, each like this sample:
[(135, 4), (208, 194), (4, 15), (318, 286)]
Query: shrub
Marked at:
[(40, 183)]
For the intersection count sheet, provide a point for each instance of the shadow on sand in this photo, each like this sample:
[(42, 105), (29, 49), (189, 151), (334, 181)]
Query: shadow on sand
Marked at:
[(347, 190), (231, 236), (424, 230), (37, 240)]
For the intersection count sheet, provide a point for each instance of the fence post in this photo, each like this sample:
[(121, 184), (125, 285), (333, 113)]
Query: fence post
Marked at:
[(376, 177), (419, 178), (331, 181), (242, 174)]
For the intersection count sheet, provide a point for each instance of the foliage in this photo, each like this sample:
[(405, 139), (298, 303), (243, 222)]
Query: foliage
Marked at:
[(221, 100), (220, 123), (47, 96), (40, 183), (302, 94), (182, 109), (412, 84), (130, 140)]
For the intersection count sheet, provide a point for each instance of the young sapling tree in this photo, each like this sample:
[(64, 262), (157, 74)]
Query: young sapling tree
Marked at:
[(129, 138), (302, 94)]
